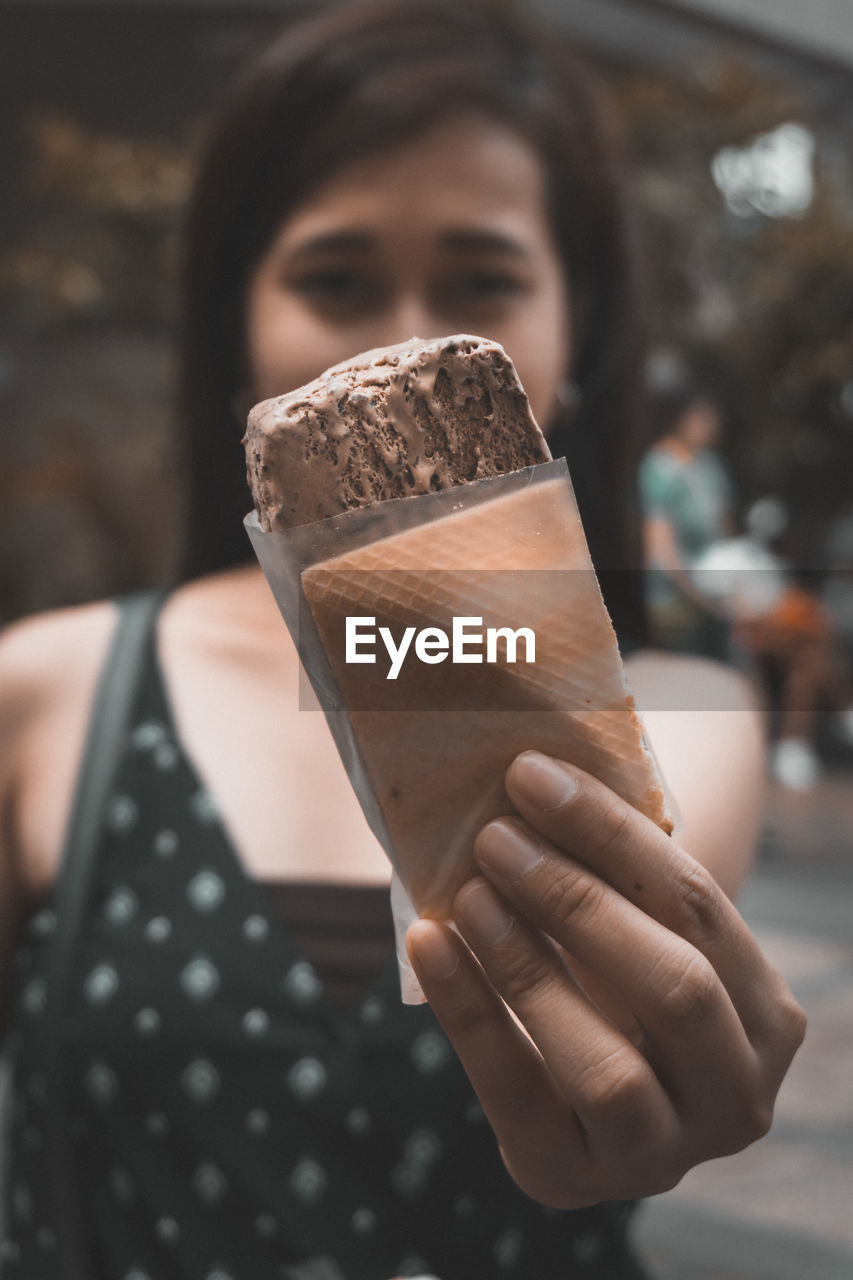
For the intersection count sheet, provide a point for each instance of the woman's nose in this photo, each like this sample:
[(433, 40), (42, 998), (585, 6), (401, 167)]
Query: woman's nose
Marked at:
[(411, 317)]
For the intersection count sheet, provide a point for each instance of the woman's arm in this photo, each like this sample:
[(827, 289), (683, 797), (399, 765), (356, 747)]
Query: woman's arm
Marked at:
[(656, 1034), (662, 553), (707, 730), (49, 666), (15, 710)]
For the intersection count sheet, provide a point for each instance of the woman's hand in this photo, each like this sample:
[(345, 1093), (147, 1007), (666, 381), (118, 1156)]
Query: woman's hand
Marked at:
[(655, 1035)]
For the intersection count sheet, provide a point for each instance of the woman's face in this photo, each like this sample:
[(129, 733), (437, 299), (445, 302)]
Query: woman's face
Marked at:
[(447, 233)]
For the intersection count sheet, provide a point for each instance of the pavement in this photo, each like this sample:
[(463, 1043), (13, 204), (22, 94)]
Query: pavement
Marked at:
[(783, 1209)]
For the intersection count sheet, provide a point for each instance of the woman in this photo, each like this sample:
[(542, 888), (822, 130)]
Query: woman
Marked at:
[(385, 169)]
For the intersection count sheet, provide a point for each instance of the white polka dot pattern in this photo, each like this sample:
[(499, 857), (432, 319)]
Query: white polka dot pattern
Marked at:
[(122, 814), (34, 996), (258, 1121), (148, 735), (372, 1011), (121, 1185), (256, 1022), (166, 844), (101, 984), (363, 1222), (44, 923), (587, 1248), (358, 1121), (430, 1052), (200, 978), (423, 1148), (255, 928), (158, 929), (201, 1080), (101, 1083), (167, 1230), (306, 1078), (22, 1202), (508, 1249), (210, 1183), (157, 1124), (206, 891), (302, 983), (166, 757), (203, 807), (121, 906), (308, 1181), (147, 1022)]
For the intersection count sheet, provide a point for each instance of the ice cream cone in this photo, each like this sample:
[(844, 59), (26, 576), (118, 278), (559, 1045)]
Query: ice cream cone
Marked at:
[(435, 741)]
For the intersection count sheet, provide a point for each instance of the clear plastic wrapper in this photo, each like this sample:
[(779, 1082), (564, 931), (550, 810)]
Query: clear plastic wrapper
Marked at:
[(426, 731)]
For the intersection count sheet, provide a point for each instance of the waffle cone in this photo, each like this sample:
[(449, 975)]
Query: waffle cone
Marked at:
[(436, 742)]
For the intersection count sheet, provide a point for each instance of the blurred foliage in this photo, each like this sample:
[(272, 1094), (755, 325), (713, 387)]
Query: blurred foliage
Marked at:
[(761, 305)]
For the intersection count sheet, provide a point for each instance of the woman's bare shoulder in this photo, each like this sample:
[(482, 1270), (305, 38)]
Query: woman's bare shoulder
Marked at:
[(44, 656)]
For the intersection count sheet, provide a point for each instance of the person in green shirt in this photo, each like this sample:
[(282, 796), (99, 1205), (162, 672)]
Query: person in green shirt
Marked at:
[(688, 505)]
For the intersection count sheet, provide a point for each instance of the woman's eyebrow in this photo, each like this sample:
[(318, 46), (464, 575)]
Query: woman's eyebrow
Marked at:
[(333, 242), (485, 241), (459, 239)]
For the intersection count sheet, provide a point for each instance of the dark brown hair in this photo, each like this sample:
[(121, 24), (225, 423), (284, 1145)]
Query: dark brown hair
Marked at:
[(336, 85)]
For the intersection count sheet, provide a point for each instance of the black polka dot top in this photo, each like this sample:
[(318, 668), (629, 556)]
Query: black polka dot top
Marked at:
[(227, 1119)]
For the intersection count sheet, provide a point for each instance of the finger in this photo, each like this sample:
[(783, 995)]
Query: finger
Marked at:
[(698, 1040), (613, 1005), (613, 1089), (581, 816), (522, 1102)]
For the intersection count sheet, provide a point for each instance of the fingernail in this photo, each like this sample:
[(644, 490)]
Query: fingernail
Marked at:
[(542, 781), (433, 949), (504, 848), (481, 914)]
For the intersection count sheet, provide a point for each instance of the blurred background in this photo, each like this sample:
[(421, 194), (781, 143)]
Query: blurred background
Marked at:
[(739, 124)]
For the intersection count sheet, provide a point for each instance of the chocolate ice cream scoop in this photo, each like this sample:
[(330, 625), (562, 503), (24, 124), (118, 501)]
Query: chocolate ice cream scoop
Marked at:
[(402, 420)]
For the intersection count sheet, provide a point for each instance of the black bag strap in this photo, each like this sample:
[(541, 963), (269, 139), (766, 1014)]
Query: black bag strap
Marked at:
[(107, 728)]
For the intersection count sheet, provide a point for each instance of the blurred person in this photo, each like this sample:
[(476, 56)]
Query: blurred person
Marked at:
[(213, 1074), (688, 506), (788, 629)]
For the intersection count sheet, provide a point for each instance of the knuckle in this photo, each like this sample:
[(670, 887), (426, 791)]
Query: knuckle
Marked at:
[(650, 1171), (750, 1120), (700, 904), (572, 898), (521, 972), (467, 1015), (691, 991), (797, 1024), (793, 1022), (759, 1119), (668, 1178), (785, 1021), (655, 1179), (615, 1090), (612, 824)]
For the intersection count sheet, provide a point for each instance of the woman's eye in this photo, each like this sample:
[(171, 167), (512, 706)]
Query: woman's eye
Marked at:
[(487, 286), (333, 284)]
